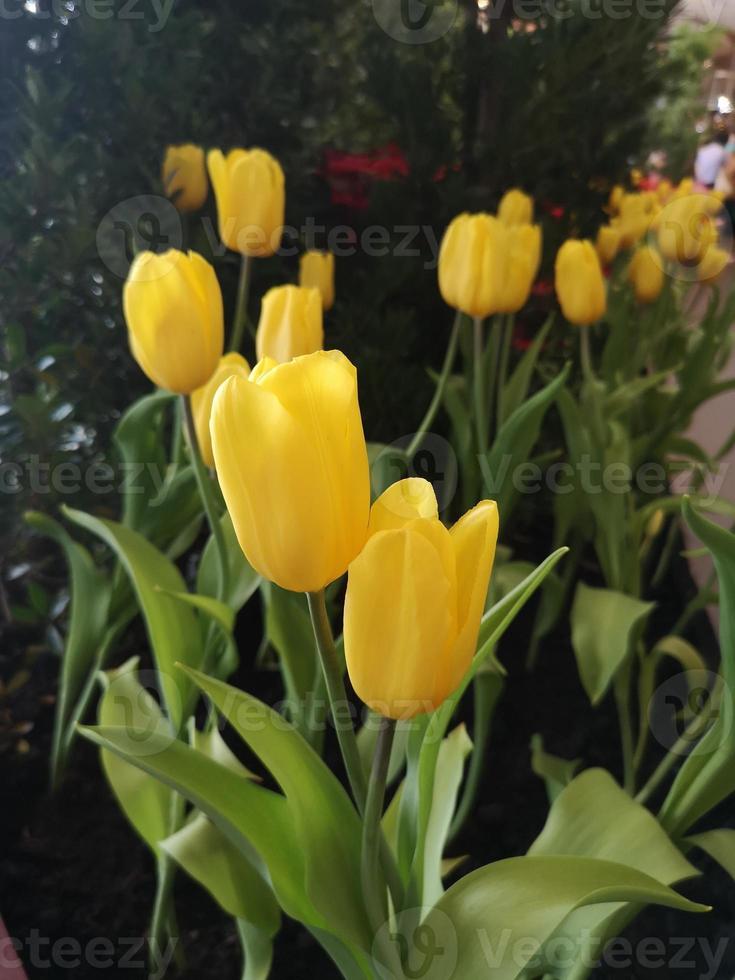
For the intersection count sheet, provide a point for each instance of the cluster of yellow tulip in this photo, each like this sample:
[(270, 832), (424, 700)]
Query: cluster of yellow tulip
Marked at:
[(287, 443)]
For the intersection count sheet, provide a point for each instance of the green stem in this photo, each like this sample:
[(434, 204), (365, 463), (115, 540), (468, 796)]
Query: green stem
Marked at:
[(337, 696), (241, 305), (481, 421), (373, 881), (440, 386), (206, 492), (507, 330), (622, 701), (165, 875), (584, 353)]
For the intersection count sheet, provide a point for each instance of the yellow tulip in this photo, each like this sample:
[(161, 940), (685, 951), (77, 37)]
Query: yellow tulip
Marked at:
[(646, 274), (291, 460), (524, 256), (185, 176), (608, 243), (713, 262), (580, 285), (684, 187), (686, 229), (515, 208), (635, 176), (617, 193), (472, 264), (290, 323), (173, 309), (415, 596), (634, 217), (664, 190), (230, 365), (250, 192), (317, 269)]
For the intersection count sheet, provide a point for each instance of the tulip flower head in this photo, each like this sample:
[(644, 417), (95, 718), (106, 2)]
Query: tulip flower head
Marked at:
[(230, 365), (524, 256), (415, 597), (173, 309), (472, 264), (608, 243), (184, 176), (515, 208), (250, 191), (317, 269), (687, 229), (290, 323), (646, 273), (580, 286), (291, 460), (713, 262)]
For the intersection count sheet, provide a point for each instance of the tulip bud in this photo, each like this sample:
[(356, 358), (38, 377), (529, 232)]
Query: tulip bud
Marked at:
[(185, 176), (290, 323), (173, 309), (686, 229), (291, 460), (580, 286), (249, 187), (317, 269), (230, 365), (713, 262), (616, 196), (515, 208), (636, 177), (647, 275), (607, 244), (472, 264), (634, 218), (524, 256), (415, 597)]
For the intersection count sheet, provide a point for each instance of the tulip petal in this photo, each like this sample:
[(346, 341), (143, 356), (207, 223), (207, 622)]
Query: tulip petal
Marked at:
[(402, 502)]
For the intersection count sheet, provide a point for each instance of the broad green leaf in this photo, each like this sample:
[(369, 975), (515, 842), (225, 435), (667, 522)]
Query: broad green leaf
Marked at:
[(482, 916), (174, 517), (604, 625), (326, 824), (212, 860), (555, 771), (257, 946), (514, 443), (90, 592), (173, 629), (447, 781), (288, 628), (223, 615), (719, 844), (243, 579), (128, 706), (138, 438), (519, 382), (211, 744)]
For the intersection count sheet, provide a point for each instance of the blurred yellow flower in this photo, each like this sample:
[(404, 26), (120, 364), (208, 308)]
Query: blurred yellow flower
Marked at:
[(515, 208), (713, 262), (646, 274), (317, 269), (472, 264), (290, 323), (230, 365), (184, 176), (580, 286), (608, 242), (524, 256), (250, 191)]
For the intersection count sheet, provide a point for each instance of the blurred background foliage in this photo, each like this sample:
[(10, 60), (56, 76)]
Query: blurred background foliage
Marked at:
[(90, 95)]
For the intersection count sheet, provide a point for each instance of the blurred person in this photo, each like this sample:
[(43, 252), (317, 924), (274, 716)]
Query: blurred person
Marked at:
[(710, 158), (725, 180)]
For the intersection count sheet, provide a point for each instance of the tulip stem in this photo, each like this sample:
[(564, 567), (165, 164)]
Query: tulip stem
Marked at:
[(241, 305), (584, 350), (374, 888), (503, 369), (338, 702), (204, 484), (441, 384), (479, 386)]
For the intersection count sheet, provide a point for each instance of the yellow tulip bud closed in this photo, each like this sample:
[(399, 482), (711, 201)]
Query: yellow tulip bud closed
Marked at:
[(415, 596), (472, 264), (580, 286), (608, 243), (524, 256), (290, 323), (173, 309), (184, 176), (251, 200), (515, 208), (291, 460), (646, 273), (230, 365), (317, 269)]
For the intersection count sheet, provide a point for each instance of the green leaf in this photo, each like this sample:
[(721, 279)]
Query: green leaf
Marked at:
[(138, 438), (144, 800), (288, 628), (529, 897), (243, 579), (514, 442), (719, 844), (219, 867), (519, 382), (326, 823), (173, 629), (90, 602), (257, 947), (555, 771), (604, 625)]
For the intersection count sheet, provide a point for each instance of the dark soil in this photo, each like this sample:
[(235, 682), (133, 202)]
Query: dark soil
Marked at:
[(73, 870)]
